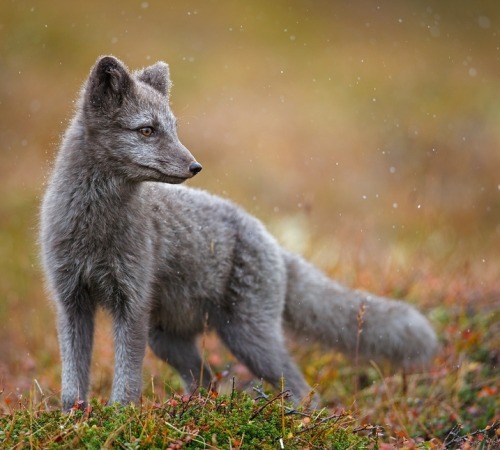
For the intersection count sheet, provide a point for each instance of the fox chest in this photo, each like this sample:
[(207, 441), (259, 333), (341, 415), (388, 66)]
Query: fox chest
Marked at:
[(107, 272)]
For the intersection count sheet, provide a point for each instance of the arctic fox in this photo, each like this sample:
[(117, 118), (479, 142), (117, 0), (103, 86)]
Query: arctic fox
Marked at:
[(168, 261)]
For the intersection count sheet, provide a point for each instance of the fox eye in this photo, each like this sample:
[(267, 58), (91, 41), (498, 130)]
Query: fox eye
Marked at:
[(146, 131)]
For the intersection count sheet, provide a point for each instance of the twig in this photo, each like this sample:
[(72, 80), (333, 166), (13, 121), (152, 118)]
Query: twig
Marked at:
[(456, 439), (268, 402), (231, 398), (288, 409), (390, 398), (361, 314), (335, 417)]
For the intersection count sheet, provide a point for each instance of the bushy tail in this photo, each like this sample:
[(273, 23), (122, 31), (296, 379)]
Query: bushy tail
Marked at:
[(319, 308)]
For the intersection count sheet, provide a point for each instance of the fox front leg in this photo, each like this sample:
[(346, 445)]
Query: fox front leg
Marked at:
[(130, 335), (76, 332)]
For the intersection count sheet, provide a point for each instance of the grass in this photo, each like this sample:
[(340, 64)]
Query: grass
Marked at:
[(365, 137), (199, 421), (455, 405)]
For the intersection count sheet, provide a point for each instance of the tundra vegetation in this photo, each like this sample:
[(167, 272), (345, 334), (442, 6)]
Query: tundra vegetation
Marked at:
[(365, 138)]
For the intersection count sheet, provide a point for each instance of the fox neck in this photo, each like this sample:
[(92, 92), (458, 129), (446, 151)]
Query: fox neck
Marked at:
[(96, 197)]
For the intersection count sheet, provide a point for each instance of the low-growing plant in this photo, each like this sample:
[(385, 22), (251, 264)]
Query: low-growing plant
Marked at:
[(207, 420)]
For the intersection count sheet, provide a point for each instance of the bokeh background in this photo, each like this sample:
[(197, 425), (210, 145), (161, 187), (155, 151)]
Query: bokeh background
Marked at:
[(364, 134)]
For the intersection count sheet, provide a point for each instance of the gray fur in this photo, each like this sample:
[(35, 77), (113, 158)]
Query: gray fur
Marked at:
[(167, 261)]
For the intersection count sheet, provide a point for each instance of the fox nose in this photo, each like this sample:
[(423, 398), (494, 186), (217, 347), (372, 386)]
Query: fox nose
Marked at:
[(195, 167)]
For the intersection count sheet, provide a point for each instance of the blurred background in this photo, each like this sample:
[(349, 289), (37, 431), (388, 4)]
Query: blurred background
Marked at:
[(365, 135)]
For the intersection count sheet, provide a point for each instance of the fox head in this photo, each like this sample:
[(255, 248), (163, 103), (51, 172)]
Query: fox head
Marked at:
[(129, 123)]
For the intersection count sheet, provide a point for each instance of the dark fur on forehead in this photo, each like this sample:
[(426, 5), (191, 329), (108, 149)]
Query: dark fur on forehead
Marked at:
[(108, 84), (157, 76)]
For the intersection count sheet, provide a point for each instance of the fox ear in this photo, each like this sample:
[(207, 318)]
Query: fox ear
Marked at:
[(157, 76), (109, 83)]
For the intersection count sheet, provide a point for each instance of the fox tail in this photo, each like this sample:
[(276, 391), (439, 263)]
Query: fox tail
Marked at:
[(355, 322)]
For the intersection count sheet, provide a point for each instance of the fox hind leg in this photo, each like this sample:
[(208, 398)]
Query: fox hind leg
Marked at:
[(260, 346), (183, 355)]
